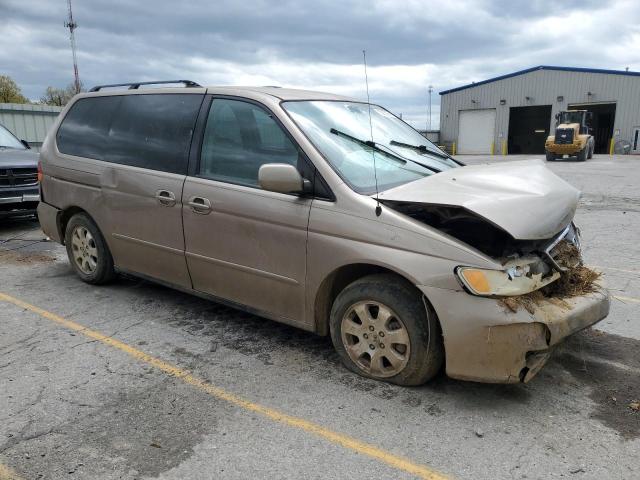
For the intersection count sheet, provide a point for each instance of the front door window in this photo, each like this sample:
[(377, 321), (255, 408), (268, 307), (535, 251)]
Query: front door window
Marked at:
[(239, 138)]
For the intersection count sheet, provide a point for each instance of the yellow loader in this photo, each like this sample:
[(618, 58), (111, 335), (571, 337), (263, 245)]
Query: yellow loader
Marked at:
[(572, 136)]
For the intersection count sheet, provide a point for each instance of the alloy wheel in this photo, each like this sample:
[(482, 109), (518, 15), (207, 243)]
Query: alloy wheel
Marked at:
[(375, 339), (85, 251)]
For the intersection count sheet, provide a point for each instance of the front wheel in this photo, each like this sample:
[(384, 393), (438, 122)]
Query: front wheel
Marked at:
[(591, 149), (382, 329), (582, 154), (550, 156)]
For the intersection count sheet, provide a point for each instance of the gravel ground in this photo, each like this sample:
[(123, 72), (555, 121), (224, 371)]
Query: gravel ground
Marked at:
[(73, 406)]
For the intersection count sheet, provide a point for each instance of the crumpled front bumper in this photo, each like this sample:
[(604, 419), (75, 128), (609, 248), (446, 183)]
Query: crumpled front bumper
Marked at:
[(487, 342)]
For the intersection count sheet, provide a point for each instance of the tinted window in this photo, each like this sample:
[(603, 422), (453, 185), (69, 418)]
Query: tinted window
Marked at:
[(153, 131), (238, 139), (85, 129), (148, 131)]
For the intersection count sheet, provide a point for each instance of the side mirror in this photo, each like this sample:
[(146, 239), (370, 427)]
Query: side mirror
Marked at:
[(282, 178), (26, 144)]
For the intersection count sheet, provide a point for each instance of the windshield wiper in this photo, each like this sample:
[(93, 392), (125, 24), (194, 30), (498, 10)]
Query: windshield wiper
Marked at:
[(382, 149), (370, 144), (421, 149)]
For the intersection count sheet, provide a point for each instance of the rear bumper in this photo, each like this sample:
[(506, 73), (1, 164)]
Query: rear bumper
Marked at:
[(486, 342), (49, 216)]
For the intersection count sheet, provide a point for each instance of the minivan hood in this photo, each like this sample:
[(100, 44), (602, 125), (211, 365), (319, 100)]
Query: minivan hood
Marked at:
[(524, 198), (12, 158)]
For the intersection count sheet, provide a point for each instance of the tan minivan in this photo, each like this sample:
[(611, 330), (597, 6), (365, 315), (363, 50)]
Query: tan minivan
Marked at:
[(322, 212)]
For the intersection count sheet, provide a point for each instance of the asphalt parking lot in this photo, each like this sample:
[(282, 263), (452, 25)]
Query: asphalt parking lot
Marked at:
[(134, 380)]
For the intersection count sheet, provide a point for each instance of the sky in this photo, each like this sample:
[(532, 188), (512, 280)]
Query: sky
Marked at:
[(315, 44)]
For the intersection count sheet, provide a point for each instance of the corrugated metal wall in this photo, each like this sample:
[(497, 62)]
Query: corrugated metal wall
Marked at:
[(543, 87), (432, 135), (28, 122)]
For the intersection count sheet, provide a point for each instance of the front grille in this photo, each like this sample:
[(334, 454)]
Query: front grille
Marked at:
[(570, 235), (564, 136), (18, 177)]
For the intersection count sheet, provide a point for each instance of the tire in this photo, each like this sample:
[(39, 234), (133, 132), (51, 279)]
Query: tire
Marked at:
[(582, 154), (550, 156), (591, 149), (419, 354), (87, 250)]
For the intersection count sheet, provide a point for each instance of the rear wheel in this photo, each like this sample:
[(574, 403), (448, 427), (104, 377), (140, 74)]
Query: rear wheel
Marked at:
[(550, 156), (88, 251), (381, 329)]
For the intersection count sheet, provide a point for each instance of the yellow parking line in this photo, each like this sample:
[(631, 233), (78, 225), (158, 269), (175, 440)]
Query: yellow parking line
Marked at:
[(400, 463), (626, 299), (8, 474)]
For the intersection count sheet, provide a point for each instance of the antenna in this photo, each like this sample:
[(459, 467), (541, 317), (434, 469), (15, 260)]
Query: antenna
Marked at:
[(71, 25), (373, 153), (430, 90)]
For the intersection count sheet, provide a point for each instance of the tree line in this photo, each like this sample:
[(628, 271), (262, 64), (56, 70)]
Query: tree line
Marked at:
[(10, 92)]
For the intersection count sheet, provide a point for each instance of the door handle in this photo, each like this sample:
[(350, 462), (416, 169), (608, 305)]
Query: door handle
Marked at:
[(200, 205), (166, 198)]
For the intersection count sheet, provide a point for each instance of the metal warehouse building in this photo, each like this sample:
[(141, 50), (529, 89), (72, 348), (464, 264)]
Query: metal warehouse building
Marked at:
[(28, 121), (514, 113)]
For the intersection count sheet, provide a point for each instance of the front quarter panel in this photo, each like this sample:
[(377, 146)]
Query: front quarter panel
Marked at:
[(340, 236)]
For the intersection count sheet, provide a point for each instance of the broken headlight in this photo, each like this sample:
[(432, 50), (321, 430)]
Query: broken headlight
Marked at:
[(518, 277)]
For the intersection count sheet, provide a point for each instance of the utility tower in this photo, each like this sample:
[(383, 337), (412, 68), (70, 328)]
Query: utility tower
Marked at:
[(71, 25)]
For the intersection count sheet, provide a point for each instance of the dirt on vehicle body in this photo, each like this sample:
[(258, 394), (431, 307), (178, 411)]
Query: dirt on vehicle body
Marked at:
[(577, 279)]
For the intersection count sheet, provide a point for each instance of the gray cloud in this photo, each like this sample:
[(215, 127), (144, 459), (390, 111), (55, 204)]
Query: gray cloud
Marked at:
[(410, 44)]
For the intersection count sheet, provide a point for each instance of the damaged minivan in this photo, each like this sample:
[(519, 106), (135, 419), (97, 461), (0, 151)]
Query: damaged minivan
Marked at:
[(325, 213)]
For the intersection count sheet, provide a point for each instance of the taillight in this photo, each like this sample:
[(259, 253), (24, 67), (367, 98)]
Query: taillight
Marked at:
[(39, 171)]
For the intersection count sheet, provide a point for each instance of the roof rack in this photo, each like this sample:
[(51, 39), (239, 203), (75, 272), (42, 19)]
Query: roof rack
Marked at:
[(136, 85)]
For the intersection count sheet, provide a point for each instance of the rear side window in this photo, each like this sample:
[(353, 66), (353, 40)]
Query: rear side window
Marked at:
[(148, 131), (85, 129), (239, 138)]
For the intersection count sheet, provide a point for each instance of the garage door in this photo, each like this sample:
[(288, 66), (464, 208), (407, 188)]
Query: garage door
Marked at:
[(476, 131)]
